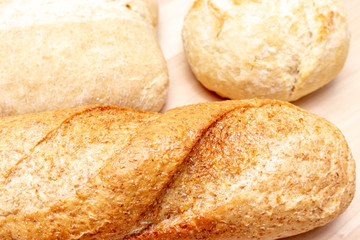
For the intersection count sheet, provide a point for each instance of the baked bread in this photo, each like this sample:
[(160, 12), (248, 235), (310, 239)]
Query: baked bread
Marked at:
[(255, 169), (57, 54), (266, 49)]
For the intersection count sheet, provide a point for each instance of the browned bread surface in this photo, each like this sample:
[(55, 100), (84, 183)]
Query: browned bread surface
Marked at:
[(59, 54), (256, 169)]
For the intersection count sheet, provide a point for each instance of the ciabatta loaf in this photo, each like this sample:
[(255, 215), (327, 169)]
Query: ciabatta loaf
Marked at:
[(256, 169), (57, 54)]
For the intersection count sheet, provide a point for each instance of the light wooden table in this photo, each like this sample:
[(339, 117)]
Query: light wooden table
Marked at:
[(339, 101)]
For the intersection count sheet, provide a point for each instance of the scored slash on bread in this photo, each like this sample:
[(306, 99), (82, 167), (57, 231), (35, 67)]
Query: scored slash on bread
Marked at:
[(258, 169)]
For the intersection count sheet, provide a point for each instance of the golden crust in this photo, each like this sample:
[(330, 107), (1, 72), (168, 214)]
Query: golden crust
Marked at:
[(73, 53), (259, 169), (266, 49)]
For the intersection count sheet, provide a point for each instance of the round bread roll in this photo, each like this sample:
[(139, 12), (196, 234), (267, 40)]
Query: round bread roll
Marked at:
[(57, 54), (265, 49)]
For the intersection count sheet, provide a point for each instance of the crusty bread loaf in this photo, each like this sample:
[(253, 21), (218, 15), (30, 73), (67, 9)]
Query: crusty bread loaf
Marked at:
[(255, 169), (57, 54), (266, 49)]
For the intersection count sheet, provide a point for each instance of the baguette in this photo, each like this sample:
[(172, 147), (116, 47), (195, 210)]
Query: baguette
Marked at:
[(59, 54), (254, 169)]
